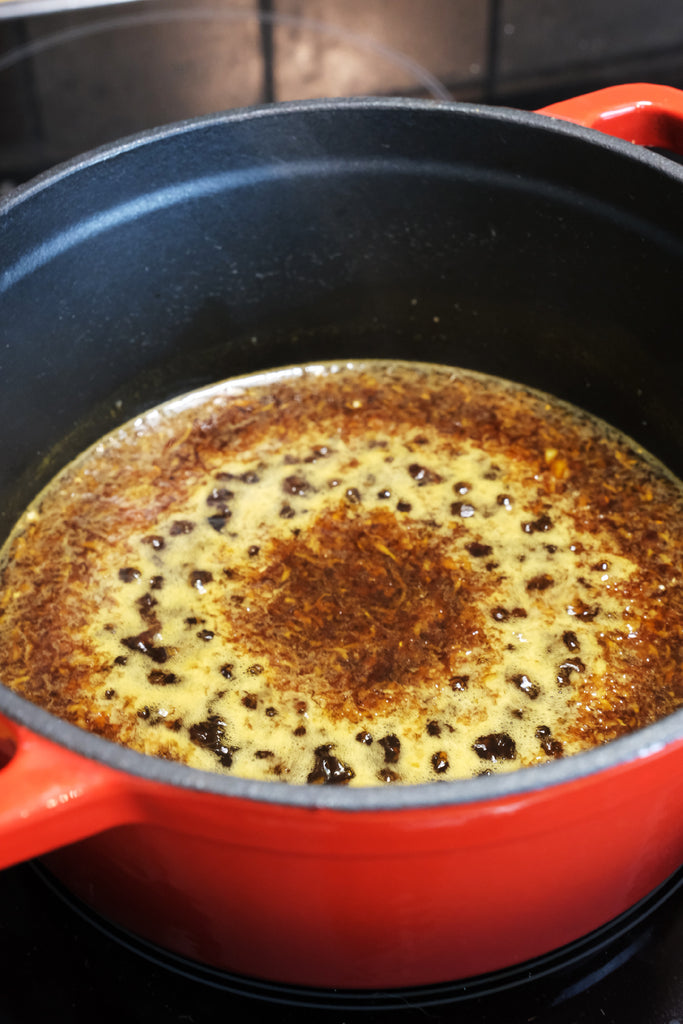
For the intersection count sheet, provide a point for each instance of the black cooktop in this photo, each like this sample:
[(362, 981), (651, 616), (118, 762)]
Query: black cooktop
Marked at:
[(60, 962)]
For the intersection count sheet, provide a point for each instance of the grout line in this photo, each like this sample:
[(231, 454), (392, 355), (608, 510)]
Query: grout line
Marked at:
[(267, 49), (490, 83)]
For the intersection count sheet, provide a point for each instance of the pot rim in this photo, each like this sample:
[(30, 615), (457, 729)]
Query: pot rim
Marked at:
[(617, 754), (149, 136)]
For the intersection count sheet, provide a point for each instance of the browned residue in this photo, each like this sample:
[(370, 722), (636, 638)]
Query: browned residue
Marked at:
[(363, 610)]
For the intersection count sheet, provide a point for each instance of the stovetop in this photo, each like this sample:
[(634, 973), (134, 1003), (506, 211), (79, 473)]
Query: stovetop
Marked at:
[(60, 962)]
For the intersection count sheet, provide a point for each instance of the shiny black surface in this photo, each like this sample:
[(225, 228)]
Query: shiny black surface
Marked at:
[(58, 963)]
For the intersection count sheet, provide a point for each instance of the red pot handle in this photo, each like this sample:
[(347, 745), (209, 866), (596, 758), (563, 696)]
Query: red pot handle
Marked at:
[(649, 115), (50, 797)]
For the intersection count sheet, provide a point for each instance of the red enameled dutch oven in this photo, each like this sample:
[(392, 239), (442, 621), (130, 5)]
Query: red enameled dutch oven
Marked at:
[(530, 245)]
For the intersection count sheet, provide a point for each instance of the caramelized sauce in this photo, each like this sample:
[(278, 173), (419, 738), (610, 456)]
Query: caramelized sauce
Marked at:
[(352, 574)]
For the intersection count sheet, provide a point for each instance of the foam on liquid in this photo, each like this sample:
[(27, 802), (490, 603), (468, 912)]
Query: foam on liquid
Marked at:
[(367, 573)]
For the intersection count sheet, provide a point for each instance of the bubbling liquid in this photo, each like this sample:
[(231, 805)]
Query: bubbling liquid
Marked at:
[(355, 574)]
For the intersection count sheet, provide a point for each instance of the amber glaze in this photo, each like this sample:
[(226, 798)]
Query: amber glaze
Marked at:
[(349, 574)]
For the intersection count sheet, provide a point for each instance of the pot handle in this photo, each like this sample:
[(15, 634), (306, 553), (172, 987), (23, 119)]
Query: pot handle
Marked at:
[(50, 797), (649, 115)]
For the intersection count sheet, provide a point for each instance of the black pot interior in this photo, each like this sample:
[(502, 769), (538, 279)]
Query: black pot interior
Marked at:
[(488, 239)]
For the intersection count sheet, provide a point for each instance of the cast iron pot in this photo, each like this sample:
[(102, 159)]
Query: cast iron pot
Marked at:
[(513, 243)]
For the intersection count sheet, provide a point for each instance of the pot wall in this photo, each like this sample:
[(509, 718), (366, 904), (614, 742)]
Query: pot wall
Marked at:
[(514, 248)]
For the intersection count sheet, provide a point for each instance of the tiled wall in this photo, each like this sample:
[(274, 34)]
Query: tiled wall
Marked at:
[(70, 81)]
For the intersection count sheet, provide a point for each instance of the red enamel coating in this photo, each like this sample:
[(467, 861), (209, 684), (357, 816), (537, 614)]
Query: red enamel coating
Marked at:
[(365, 898), (348, 899), (649, 115), (49, 796)]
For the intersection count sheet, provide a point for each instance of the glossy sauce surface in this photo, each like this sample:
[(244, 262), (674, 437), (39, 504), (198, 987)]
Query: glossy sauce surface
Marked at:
[(354, 573)]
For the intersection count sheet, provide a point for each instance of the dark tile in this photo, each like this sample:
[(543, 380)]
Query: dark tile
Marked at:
[(556, 37), (19, 121), (102, 74), (531, 92)]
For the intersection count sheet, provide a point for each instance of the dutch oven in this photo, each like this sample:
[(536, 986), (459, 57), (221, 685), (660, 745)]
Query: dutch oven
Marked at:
[(514, 243)]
